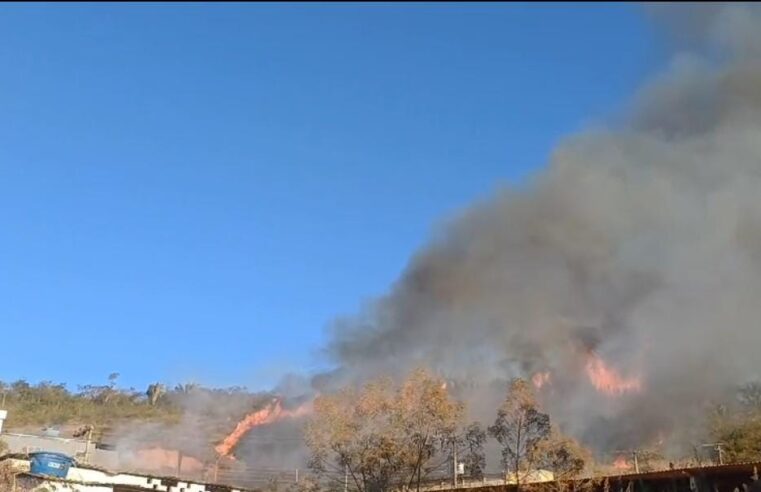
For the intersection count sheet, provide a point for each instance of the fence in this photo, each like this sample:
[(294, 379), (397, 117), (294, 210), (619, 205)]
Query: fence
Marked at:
[(257, 478)]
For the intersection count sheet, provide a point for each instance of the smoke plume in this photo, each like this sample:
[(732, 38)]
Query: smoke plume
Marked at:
[(639, 244), (622, 280)]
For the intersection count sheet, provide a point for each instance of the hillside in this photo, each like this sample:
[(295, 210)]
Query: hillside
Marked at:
[(156, 415)]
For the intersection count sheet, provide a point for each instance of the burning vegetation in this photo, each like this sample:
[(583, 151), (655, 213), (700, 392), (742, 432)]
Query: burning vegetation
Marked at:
[(381, 436), (615, 292), (607, 380), (270, 414), (620, 280), (620, 283)]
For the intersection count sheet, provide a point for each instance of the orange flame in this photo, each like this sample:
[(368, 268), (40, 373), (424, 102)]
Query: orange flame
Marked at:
[(273, 412), (607, 379), (620, 463), (541, 379)]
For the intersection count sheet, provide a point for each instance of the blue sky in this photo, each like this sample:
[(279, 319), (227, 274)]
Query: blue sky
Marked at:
[(193, 192)]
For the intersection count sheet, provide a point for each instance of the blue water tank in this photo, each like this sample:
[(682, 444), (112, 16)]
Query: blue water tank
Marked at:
[(50, 464)]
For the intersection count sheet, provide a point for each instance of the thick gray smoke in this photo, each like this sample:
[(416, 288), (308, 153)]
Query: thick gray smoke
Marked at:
[(642, 243)]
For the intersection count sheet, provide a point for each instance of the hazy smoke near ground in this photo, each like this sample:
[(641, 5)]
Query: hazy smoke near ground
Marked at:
[(642, 243), (278, 446), (205, 418)]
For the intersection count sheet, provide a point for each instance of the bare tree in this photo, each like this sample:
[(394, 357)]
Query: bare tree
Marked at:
[(520, 427)]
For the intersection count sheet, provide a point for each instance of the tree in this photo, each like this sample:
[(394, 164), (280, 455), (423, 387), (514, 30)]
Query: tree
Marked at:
[(650, 459), (562, 456), (737, 429), (381, 435), (348, 437), (469, 443), (740, 437), (520, 427), (154, 392), (187, 388), (426, 417), (112, 379), (474, 457), (749, 395)]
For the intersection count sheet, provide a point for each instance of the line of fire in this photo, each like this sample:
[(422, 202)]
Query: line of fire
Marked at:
[(622, 472)]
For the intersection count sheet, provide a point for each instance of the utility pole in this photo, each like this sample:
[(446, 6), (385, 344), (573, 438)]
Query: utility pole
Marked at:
[(454, 463), (634, 454), (86, 433), (88, 443)]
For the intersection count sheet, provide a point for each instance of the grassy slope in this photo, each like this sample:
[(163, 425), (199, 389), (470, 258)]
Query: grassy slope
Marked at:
[(32, 407)]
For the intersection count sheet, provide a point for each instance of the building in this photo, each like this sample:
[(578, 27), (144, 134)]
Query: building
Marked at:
[(83, 478)]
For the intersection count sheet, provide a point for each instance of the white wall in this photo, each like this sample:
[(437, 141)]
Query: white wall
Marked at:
[(89, 480)]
